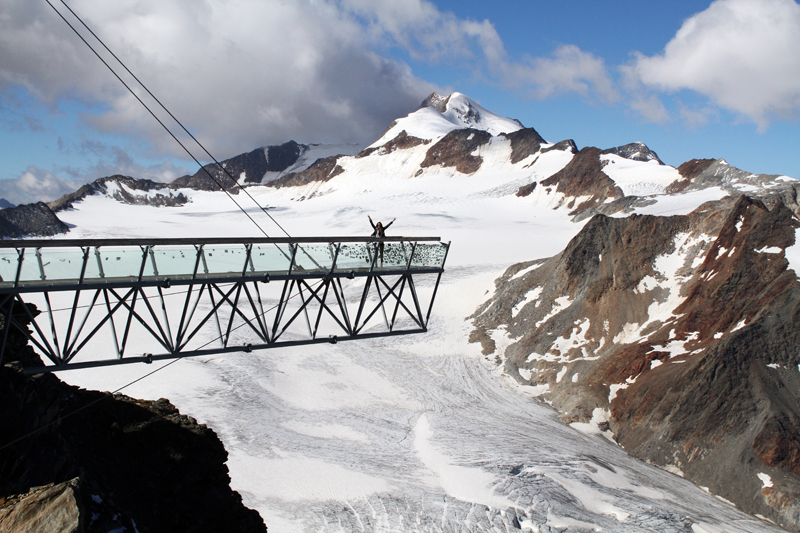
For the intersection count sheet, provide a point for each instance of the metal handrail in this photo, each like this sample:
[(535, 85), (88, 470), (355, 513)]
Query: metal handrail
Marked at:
[(60, 243)]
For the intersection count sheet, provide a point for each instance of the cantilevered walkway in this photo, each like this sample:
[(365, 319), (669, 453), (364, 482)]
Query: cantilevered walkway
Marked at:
[(114, 301)]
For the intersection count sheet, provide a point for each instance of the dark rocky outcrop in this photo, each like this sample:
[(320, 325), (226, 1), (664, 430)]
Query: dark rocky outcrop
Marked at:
[(626, 204), (107, 461), (253, 165), (321, 170), (688, 171), (584, 177), (32, 220), (698, 174), (456, 150), (680, 335), (403, 141), (567, 145), (436, 101), (524, 143), (124, 193), (526, 190), (637, 151), (279, 158)]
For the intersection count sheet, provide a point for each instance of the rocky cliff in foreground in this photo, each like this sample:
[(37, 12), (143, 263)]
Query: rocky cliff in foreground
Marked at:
[(98, 462), (677, 336)]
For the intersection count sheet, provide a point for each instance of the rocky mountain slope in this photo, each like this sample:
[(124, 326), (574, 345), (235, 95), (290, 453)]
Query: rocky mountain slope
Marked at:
[(677, 335), (123, 189), (80, 460), (261, 166)]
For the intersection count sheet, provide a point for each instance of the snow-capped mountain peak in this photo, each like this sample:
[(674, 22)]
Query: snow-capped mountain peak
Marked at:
[(466, 113), (438, 115)]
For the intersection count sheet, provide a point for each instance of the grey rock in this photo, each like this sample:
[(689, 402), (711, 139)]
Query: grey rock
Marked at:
[(30, 220), (54, 508), (124, 194), (637, 151)]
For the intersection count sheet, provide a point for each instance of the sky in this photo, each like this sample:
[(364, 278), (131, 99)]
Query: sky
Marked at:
[(690, 79)]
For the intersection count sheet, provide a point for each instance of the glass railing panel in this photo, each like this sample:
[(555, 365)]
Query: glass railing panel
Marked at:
[(223, 259), (313, 257), (122, 262), (9, 261), (30, 267), (92, 272), (354, 256), (428, 255), (392, 255), (176, 261), (62, 263), (270, 258)]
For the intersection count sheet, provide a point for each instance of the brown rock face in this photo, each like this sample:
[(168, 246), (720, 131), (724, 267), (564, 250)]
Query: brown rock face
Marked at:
[(778, 443), (526, 190), (403, 141), (456, 150), (689, 171), (584, 176), (685, 329), (524, 143)]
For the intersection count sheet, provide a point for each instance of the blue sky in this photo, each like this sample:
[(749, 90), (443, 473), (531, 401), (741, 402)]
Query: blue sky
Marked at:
[(690, 79)]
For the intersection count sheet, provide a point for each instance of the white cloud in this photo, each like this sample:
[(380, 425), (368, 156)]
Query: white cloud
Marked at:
[(245, 73), (649, 107), (435, 36), (112, 160), (570, 69), (425, 32), (742, 54), (35, 185), (239, 73)]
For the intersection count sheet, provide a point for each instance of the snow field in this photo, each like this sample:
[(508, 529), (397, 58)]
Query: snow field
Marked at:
[(639, 178)]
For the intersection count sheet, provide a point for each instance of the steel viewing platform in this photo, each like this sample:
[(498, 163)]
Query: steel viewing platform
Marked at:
[(143, 300)]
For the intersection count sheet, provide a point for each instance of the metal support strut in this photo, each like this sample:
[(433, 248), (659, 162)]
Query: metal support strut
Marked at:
[(154, 299)]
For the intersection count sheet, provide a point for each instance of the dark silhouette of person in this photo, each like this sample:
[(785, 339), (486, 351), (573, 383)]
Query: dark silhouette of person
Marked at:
[(379, 231)]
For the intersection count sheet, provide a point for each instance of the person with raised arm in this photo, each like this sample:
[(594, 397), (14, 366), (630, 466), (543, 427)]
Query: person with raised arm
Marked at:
[(379, 231)]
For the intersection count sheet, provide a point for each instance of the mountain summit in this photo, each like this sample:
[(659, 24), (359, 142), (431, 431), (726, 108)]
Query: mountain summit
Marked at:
[(438, 115)]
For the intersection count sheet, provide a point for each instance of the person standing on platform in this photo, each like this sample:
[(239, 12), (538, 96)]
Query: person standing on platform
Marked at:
[(379, 231)]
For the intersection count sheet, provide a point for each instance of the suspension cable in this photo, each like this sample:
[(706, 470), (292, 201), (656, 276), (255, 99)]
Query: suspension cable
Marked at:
[(202, 167)]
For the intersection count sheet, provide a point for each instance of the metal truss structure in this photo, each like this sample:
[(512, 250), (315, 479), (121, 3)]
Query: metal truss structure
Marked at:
[(146, 300)]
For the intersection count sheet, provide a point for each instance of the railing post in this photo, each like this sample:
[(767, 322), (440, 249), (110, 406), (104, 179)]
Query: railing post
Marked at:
[(20, 259), (6, 325)]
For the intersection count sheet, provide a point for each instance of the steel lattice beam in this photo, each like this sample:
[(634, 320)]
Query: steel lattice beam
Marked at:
[(258, 293)]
